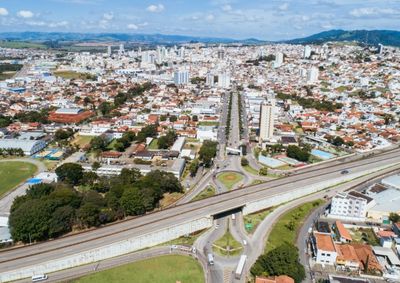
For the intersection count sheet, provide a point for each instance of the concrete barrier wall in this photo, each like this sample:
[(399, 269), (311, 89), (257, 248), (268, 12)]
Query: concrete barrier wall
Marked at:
[(162, 236), (116, 249), (285, 197)]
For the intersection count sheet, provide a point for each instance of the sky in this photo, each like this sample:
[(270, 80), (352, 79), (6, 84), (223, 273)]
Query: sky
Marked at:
[(262, 19)]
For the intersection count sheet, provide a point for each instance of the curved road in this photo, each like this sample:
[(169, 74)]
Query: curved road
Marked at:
[(7, 200)]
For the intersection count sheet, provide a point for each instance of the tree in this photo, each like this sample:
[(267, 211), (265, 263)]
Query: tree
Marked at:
[(193, 167), (244, 161), (338, 141), (173, 118), (132, 201), (71, 173), (282, 260), (105, 108), (168, 140), (293, 151), (63, 134), (146, 132), (394, 217), (88, 215), (207, 152), (61, 221), (99, 143), (96, 165), (263, 171)]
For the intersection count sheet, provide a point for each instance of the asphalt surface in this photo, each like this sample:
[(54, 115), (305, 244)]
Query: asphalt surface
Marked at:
[(7, 200), (30, 255)]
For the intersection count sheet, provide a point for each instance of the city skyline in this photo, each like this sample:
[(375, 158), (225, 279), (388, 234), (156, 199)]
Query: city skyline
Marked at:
[(274, 20)]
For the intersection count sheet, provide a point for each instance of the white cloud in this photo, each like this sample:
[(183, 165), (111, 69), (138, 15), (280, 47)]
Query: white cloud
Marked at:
[(36, 23), (227, 8), (25, 14), (156, 8), (284, 7), (3, 12), (210, 17), (371, 11), (108, 16), (132, 27)]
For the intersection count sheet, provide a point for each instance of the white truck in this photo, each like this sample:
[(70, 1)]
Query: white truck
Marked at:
[(240, 266), (210, 259)]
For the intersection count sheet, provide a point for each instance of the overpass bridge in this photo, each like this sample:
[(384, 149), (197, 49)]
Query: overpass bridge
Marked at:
[(159, 227)]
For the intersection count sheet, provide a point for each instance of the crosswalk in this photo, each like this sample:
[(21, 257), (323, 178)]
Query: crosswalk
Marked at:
[(227, 275)]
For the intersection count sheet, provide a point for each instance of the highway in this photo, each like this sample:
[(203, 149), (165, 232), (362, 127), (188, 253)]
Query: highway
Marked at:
[(29, 255)]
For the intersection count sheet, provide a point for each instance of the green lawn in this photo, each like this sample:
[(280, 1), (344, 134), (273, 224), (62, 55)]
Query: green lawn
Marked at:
[(285, 229), (364, 236), (208, 123), (206, 193), (227, 245), (163, 269), (250, 169), (251, 221), (184, 240), (154, 144), (14, 172), (229, 179), (111, 145)]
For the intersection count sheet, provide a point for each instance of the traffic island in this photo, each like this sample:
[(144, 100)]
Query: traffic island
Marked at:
[(227, 246)]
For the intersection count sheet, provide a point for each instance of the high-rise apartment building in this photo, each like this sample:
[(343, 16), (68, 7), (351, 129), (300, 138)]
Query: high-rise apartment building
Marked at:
[(267, 116)]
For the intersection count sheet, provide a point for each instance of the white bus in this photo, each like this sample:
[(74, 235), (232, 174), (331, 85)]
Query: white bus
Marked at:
[(240, 266), (41, 277), (210, 259)]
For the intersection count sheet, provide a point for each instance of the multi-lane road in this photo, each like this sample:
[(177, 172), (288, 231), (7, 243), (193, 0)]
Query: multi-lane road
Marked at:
[(30, 255)]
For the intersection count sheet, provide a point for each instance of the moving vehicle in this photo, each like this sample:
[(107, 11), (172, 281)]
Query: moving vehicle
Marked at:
[(233, 217), (210, 259), (40, 277), (345, 171), (240, 266)]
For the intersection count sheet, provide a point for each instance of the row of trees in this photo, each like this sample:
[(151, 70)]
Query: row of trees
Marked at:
[(323, 105), (51, 210), (11, 152)]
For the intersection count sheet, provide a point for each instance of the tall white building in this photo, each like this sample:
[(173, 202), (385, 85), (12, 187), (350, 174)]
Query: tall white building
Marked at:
[(182, 52), (181, 77), (350, 205), (307, 52), (210, 79), (224, 80), (121, 49), (267, 116), (312, 75), (109, 51), (278, 59)]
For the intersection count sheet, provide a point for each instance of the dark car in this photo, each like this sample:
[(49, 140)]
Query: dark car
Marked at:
[(345, 171)]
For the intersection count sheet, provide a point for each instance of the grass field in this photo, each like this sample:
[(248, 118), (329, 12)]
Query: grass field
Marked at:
[(285, 229), (250, 169), (68, 75), (82, 141), (208, 123), (169, 199), (13, 173), (206, 193), (229, 179), (21, 45), (164, 269), (227, 245), (154, 144), (6, 75), (255, 219)]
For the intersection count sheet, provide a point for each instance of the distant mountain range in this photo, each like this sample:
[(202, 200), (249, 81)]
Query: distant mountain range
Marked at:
[(374, 37), (104, 37)]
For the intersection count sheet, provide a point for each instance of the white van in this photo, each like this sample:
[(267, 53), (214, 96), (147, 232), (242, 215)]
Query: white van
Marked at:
[(41, 277)]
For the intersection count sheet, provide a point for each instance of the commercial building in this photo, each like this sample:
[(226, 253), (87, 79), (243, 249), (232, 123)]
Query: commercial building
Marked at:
[(267, 120), (312, 75), (29, 147), (324, 248), (350, 205), (224, 80), (70, 115)]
